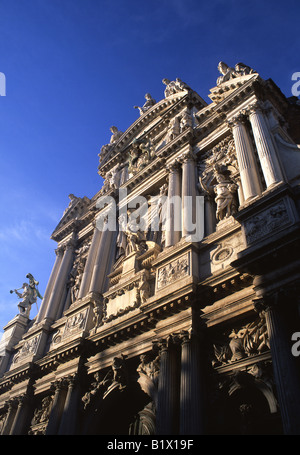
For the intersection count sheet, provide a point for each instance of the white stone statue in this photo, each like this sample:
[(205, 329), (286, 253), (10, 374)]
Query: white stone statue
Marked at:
[(173, 87), (225, 197), (228, 73), (29, 295), (148, 104), (107, 148)]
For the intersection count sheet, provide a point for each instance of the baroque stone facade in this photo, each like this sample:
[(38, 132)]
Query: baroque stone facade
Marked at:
[(184, 326)]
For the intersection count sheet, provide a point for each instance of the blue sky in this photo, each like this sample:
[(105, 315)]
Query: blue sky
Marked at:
[(74, 68)]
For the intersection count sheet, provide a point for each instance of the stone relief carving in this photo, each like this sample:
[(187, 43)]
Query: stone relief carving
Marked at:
[(28, 349), (147, 105), (41, 416), (228, 73), (250, 339), (75, 323), (115, 378), (173, 271), (267, 221), (140, 155), (75, 276)]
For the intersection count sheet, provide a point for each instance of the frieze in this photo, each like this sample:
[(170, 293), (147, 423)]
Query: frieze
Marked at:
[(29, 349), (265, 222), (173, 271)]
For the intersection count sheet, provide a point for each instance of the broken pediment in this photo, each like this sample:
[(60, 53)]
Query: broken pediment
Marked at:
[(155, 117)]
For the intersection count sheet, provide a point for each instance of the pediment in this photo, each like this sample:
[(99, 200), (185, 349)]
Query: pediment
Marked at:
[(76, 208), (222, 91)]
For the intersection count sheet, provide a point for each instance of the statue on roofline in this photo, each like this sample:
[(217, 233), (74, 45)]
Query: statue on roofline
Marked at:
[(29, 295), (148, 104), (228, 73), (173, 87)]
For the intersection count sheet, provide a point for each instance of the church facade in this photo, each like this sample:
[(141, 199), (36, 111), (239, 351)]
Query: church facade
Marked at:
[(173, 303)]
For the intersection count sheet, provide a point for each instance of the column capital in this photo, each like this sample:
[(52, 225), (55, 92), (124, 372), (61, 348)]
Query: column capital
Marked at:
[(173, 167), (59, 251), (237, 119), (188, 155)]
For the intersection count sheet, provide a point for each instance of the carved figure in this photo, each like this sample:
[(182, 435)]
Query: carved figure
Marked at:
[(135, 238), (186, 121), (225, 197), (144, 287), (148, 104), (226, 71), (107, 148), (173, 129), (243, 70), (121, 239), (173, 87), (29, 295)]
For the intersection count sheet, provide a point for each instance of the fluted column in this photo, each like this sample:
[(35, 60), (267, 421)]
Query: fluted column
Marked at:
[(102, 259), (246, 160), (21, 416), (168, 390), (173, 221), (60, 281), (11, 412), (286, 375), (265, 147), (191, 387), (59, 255), (57, 407), (188, 193), (70, 412), (87, 274)]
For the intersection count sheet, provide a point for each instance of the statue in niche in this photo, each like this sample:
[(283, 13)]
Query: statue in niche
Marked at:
[(147, 105), (229, 73), (76, 273), (185, 121), (144, 287), (121, 239), (42, 414), (173, 129), (135, 238), (29, 295), (225, 198), (219, 183)]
